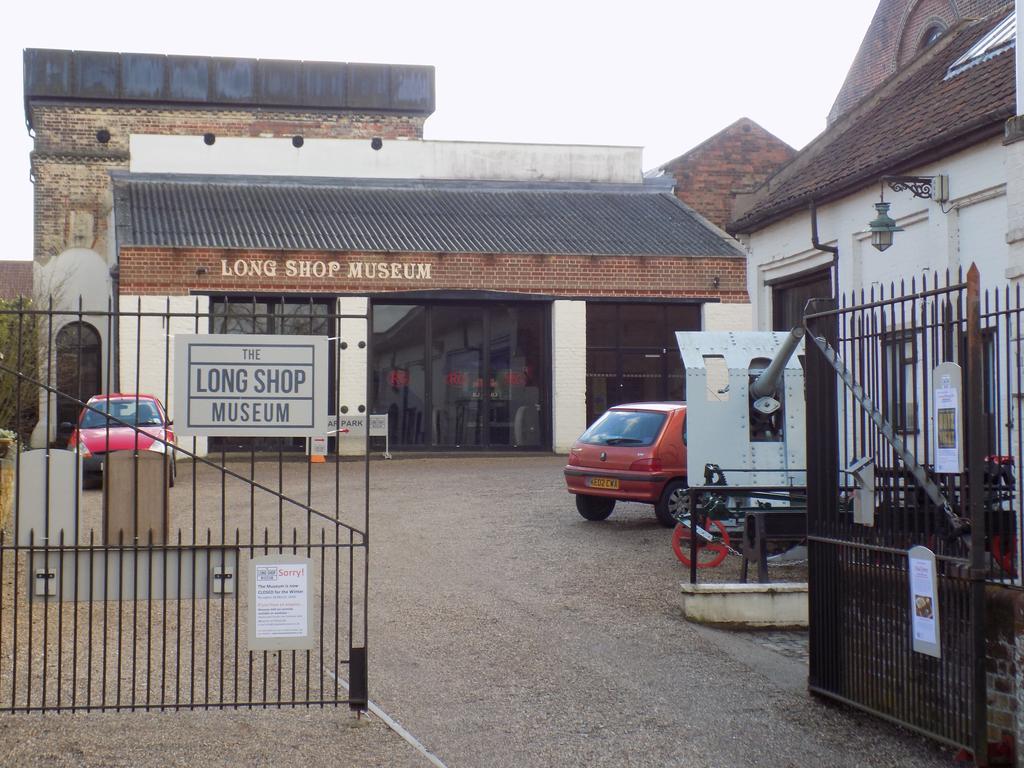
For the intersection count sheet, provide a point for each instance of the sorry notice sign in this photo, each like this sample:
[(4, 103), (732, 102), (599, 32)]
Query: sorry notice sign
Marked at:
[(280, 612), (250, 385)]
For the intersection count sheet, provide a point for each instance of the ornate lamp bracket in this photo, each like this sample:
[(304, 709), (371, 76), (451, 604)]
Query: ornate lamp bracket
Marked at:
[(927, 187)]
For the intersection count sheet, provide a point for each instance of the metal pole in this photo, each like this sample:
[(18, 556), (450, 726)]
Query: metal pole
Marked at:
[(693, 533), (976, 490)]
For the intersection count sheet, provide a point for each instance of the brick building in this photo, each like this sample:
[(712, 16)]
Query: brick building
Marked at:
[(735, 160), (515, 291), (899, 31), (15, 279), (944, 107)]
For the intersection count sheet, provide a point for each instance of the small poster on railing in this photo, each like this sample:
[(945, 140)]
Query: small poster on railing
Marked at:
[(946, 414), (924, 603)]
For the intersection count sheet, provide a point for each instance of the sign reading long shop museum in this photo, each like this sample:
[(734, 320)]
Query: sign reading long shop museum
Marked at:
[(250, 385), (322, 268)]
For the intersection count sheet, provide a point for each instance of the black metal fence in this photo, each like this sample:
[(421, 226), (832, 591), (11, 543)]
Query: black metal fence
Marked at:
[(944, 477), (126, 572)]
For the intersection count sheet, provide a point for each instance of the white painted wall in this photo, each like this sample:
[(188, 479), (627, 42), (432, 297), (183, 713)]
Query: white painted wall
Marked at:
[(152, 375), (397, 159), (1015, 207), (726, 317), (352, 362), (974, 229), (568, 373)]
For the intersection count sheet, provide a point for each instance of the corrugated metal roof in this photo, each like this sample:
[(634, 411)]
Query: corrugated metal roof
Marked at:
[(412, 217)]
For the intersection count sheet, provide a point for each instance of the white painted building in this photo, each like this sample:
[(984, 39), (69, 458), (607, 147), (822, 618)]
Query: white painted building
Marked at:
[(945, 114), (513, 292)]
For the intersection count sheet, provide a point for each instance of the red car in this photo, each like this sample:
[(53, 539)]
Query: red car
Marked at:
[(96, 434), (634, 452)]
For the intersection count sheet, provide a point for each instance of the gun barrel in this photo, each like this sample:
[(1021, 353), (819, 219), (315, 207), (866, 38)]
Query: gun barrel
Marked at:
[(766, 383)]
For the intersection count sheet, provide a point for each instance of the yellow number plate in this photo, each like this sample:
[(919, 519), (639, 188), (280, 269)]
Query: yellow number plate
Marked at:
[(612, 483)]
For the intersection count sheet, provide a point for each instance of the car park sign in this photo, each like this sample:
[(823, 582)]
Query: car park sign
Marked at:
[(250, 385)]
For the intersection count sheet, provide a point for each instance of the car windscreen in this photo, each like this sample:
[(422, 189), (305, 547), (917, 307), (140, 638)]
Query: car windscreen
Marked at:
[(625, 428), (124, 411)]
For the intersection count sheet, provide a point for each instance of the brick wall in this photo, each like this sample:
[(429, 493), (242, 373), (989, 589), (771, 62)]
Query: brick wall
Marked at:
[(71, 167), (924, 14), (166, 271), (737, 158), (1004, 663)]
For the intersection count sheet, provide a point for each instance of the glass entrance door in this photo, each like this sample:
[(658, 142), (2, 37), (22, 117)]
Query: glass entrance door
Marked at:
[(399, 371), (474, 374), (459, 386), (514, 375)]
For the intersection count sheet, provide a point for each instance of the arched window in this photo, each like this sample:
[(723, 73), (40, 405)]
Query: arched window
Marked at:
[(931, 36), (79, 369)]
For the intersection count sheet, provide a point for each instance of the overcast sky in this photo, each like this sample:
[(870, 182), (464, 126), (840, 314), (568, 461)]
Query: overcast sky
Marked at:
[(661, 75)]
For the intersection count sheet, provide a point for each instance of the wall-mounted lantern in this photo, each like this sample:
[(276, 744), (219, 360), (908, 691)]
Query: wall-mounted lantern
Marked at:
[(882, 227)]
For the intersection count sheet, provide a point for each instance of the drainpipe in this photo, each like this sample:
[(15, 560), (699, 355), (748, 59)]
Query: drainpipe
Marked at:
[(114, 341), (834, 250)]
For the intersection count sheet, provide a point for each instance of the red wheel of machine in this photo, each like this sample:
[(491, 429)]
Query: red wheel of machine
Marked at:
[(709, 553)]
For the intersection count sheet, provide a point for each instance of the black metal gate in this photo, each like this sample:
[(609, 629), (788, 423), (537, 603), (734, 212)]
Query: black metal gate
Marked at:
[(127, 572), (870, 377)]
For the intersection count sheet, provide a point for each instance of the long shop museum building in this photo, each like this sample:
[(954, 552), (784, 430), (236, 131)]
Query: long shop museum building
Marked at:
[(483, 296)]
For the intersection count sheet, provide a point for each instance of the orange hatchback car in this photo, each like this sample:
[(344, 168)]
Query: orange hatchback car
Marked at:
[(634, 452)]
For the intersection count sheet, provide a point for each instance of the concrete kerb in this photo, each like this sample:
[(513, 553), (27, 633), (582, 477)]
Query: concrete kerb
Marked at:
[(776, 605)]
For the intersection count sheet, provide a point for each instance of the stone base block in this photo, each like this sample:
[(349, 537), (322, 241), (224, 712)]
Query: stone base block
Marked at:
[(746, 605)]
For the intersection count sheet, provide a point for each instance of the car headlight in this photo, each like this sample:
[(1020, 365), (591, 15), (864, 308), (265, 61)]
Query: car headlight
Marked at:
[(83, 450)]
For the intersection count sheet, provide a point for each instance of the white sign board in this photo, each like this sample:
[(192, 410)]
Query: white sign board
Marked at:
[(354, 425), (924, 602), (250, 385), (280, 603)]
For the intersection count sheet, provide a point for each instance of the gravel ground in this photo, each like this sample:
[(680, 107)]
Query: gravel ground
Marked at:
[(504, 630)]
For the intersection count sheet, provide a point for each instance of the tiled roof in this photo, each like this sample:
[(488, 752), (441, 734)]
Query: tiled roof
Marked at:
[(15, 279), (909, 120), (410, 216)]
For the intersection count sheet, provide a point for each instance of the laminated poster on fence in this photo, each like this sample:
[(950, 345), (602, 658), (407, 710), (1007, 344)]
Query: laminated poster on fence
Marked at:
[(924, 604), (947, 449)]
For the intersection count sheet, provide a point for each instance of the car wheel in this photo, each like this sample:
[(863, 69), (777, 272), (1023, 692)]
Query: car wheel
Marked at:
[(594, 508), (674, 504)]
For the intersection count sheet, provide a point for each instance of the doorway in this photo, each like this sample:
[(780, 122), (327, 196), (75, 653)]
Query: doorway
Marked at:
[(632, 354)]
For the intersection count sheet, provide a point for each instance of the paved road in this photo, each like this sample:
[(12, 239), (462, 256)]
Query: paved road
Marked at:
[(506, 631)]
